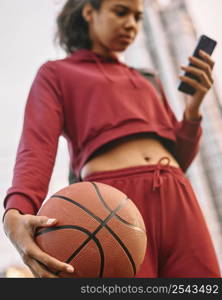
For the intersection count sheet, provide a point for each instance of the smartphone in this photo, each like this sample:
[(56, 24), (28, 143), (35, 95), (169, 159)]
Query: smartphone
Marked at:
[(206, 44)]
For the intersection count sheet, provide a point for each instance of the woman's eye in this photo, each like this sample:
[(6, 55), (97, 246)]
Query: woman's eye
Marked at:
[(139, 18), (123, 13), (120, 13)]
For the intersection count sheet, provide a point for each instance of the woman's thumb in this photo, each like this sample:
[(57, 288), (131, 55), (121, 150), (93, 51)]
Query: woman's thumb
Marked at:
[(50, 222), (45, 221)]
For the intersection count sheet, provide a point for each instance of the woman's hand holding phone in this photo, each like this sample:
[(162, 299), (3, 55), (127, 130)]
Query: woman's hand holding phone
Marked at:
[(198, 78)]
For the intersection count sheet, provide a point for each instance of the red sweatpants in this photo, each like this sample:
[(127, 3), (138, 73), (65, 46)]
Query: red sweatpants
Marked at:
[(179, 244)]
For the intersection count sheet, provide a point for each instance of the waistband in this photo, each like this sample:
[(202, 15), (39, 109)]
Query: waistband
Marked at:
[(155, 168)]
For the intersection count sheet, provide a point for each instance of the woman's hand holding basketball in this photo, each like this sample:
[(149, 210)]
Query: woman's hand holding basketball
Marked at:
[(21, 230)]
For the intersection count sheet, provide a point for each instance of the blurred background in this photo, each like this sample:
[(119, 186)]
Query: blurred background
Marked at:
[(169, 35)]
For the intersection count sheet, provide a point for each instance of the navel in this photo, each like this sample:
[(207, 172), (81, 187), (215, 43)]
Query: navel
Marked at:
[(147, 158)]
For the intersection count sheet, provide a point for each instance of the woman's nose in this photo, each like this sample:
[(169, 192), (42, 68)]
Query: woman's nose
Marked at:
[(131, 22)]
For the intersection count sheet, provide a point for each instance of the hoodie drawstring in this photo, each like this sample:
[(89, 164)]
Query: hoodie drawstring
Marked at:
[(130, 73), (102, 69)]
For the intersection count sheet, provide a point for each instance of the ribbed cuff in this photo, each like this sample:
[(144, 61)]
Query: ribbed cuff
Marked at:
[(190, 128), (19, 202)]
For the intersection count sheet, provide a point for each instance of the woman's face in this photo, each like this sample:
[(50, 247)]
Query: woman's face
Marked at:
[(115, 26)]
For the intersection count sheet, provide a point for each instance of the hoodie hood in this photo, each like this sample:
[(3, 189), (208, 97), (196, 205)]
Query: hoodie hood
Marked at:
[(86, 55)]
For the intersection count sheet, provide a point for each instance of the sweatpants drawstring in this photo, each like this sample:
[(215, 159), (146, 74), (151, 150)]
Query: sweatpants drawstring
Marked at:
[(157, 178)]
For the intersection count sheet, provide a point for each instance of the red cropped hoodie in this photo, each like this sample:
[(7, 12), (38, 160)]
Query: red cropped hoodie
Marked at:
[(90, 100)]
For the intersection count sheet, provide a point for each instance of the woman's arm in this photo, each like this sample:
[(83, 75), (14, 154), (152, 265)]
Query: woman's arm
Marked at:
[(42, 127), (188, 133)]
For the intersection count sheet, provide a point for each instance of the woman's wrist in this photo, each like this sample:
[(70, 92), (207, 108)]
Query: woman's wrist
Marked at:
[(192, 114), (9, 215), (11, 211)]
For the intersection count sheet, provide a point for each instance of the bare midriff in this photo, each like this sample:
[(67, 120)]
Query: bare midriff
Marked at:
[(134, 150)]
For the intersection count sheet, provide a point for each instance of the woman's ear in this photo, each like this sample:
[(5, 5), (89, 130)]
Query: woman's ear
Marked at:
[(87, 12)]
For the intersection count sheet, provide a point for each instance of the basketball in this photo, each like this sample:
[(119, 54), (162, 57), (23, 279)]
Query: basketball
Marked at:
[(100, 231)]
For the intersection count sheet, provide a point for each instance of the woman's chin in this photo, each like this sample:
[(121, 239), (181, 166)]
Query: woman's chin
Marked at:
[(121, 47)]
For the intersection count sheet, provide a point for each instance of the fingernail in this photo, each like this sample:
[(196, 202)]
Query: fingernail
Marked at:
[(50, 221), (70, 269)]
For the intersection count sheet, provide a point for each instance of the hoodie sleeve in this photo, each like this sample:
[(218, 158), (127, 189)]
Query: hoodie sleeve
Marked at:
[(37, 149), (188, 135)]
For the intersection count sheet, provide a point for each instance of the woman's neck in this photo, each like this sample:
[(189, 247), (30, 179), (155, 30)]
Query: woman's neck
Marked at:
[(107, 53)]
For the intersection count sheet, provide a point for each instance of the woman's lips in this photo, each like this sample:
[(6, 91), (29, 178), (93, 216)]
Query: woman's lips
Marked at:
[(125, 38)]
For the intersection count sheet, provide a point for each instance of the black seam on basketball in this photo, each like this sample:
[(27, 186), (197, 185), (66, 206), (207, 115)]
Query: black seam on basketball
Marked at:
[(124, 248), (79, 205), (109, 209), (101, 197), (100, 220), (103, 224), (91, 236), (130, 225), (112, 232)]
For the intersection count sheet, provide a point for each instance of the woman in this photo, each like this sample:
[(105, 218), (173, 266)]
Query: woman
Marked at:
[(120, 131)]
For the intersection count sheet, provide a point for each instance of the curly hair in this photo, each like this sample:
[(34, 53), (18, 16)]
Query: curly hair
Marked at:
[(72, 30)]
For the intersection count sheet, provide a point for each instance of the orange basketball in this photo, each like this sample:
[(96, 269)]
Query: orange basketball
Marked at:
[(100, 231)]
